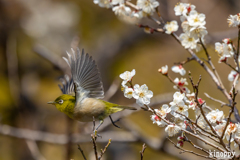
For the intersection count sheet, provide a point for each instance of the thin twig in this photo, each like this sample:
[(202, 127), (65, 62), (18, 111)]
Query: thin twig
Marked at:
[(202, 112), (80, 149), (142, 151), (217, 100), (104, 150), (184, 62), (94, 145), (186, 131), (230, 66), (184, 150)]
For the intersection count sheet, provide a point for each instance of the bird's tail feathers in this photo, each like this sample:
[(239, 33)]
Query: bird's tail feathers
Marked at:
[(127, 107)]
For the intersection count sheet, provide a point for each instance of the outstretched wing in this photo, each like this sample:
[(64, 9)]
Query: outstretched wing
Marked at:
[(67, 86), (85, 76)]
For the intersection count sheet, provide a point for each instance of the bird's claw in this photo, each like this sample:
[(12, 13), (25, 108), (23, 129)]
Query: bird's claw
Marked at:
[(96, 134), (113, 122)]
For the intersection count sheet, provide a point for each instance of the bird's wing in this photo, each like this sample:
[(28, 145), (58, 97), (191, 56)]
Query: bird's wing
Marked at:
[(67, 86), (85, 76)]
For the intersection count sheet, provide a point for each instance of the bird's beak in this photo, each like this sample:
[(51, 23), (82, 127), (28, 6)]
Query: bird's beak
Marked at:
[(51, 102)]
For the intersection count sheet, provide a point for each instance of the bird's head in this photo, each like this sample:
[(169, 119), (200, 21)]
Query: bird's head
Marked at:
[(65, 103)]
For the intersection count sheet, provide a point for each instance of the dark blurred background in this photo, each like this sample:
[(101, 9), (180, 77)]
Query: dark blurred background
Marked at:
[(34, 35)]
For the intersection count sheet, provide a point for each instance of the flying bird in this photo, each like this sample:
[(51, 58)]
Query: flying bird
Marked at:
[(83, 92)]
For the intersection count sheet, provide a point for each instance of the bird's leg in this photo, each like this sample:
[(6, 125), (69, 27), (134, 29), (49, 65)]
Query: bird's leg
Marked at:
[(113, 122), (95, 131)]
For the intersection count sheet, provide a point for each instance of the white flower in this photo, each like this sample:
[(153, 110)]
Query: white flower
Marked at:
[(103, 3), (163, 69), (148, 6), (188, 41), (171, 27), (172, 130), (215, 116), (177, 97), (186, 27), (180, 123), (195, 19), (183, 9), (180, 107), (233, 129), (232, 75), (121, 10), (180, 9), (158, 121), (220, 127), (128, 92), (163, 111), (142, 94), (181, 82), (179, 69), (198, 32), (127, 76), (233, 20), (202, 123), (224, 50), (115, 2)]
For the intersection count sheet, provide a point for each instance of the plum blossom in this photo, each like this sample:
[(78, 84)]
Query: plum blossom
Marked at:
[(158, 121), (198, 32), (188, 41), (183, 9), (103, 3), (224, 50), (179, 69), (115, 2), (164, 70), (195, 19), (142, 94), (128, 92), (121, 10), (233, 20), (180, 107), (220, 127), (232, 75), (172, 130), (148, 6), (180, 84), (171, 27), (163, 111), (232, 129), (127, 76), (177, 97), (215, 116)]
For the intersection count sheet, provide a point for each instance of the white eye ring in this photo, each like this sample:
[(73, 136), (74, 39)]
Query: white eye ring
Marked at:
[(60, 101)]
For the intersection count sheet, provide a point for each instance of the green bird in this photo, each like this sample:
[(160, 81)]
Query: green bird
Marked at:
[(82, 93)]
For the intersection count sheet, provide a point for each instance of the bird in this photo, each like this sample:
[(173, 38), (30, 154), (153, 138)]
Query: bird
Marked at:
[(83, 91)]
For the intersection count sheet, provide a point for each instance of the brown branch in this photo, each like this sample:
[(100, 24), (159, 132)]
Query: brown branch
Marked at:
[(186, 131), (104, 150), (230, 66), (195, 146), (184, 62), (202, 112), (93, 136), (211, 64), (217, 100), (184, 150), (142, 151), (214, 78), (80, 149)]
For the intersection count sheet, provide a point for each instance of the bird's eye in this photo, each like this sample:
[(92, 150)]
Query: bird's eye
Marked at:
[(60, 101)]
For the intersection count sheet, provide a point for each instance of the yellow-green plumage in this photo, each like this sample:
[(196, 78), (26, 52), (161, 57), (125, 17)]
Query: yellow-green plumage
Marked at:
[(82, 92), (89, 108)]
